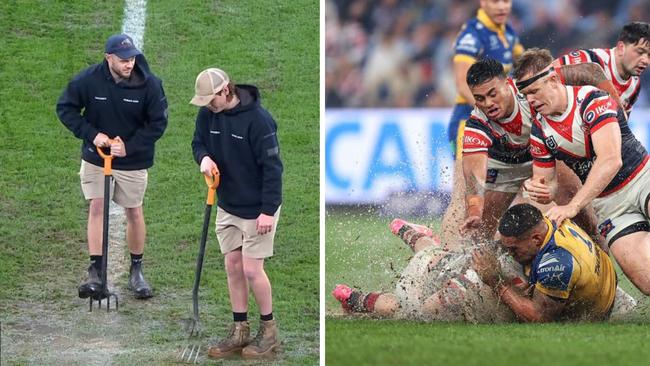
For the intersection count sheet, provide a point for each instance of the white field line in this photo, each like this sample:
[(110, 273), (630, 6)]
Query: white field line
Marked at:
[(135, 14)]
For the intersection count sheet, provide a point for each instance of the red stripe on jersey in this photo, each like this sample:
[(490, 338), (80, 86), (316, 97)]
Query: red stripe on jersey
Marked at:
[(601, 124), (628, 179), (515, 125), (575, 57), (565, 127), (544, 164), (538, 150), (484, 152)]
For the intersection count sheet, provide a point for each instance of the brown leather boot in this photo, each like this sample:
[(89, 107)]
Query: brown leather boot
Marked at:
[(265, 342), (238, 338)]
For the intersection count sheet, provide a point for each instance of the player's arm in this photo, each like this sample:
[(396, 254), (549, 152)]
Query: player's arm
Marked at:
[(474, 170), (476, 143), (539, 308), (607, 146), (461, 66), (542, 186), (589, 73)]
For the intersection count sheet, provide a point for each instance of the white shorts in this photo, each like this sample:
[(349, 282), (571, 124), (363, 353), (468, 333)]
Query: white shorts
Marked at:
[(624, 211), (502, 177)]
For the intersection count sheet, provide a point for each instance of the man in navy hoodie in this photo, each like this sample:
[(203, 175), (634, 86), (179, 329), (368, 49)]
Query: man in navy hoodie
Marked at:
[(235, 136), (119, 105)]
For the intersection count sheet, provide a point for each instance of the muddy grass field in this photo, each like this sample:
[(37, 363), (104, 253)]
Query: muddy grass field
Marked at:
[(362, 252), (43, 254)]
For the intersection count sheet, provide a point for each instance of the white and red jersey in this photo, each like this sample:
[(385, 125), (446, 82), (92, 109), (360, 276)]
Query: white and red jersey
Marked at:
[(628, 90), (568, 137), (505, 140)]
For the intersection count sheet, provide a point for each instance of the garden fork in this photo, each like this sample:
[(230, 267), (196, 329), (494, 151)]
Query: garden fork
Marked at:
[(105, 293), (191, 351)]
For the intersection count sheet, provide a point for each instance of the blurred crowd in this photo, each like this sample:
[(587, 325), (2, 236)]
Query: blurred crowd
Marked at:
[(397, 53)]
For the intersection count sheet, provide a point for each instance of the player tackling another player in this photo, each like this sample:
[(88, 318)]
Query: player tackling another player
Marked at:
[(570, 277)]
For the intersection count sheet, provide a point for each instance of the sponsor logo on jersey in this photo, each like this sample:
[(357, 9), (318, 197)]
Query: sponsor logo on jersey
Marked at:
[(550, 142), (606, 227), (491, 176), (474, 141), (590, 116)]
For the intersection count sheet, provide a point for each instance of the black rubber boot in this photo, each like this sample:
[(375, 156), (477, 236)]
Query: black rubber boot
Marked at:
[(137, 283), (91, 286)]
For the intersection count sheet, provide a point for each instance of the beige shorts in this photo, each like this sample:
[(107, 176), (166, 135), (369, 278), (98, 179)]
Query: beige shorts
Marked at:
[(233, 232), (624, 211), (502, 177), (127, 186)]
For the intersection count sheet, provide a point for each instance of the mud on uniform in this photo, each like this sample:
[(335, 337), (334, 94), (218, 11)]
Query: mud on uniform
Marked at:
[(433, 268), (505, 142), (479, 38), (628, 90), (621, 207)]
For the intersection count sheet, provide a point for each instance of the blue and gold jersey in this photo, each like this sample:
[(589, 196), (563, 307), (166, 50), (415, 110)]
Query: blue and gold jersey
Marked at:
[(481, 38), (570, 266)]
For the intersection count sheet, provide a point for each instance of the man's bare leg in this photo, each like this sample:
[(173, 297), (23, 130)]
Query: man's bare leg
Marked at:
[(380, 304), (632, 252), (417, 237)]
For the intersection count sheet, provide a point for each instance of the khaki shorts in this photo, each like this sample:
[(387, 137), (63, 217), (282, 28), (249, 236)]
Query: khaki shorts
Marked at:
[(127, 186), (624, 211), (233, 232), (502, 177)]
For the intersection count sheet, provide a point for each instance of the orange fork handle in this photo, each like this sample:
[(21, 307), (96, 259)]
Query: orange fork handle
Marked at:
[(213, 182), (108, 160)]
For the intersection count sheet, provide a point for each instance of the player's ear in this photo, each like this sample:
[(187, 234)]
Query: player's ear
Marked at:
[(538, 238), (620, 48)]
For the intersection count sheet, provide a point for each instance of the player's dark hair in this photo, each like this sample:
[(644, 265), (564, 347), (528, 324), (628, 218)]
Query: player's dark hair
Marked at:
[(635, 32), (532, 61), (484, 70), (518, 219)]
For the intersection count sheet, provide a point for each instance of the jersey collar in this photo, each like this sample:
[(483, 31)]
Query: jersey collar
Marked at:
[(482, 17)]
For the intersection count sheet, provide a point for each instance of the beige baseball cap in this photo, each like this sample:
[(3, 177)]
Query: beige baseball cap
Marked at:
[(208, 83)]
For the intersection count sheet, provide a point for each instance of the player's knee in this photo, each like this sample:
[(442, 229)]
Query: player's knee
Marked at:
[(234, 266), (134, 214), (96, 207), (386, 305), (253, 273), (643, 285)]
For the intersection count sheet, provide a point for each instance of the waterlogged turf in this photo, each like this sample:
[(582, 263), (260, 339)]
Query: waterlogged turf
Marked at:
[(43, 252), (362, 252)]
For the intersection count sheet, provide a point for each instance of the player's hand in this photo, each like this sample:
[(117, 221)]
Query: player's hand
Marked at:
[(557, 214), (486, 266), (538, 191), (118, 148), (264, 224), (101, 140), (208, 166), (471, 223)]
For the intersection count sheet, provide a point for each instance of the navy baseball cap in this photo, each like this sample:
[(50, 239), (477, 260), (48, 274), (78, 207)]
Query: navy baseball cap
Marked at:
[(122, 46)]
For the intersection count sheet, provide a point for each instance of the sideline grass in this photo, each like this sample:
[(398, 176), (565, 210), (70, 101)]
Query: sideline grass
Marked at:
[(360, 251), (43, 215)]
